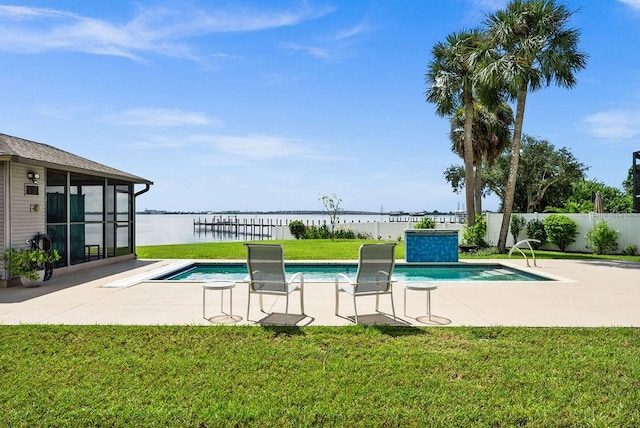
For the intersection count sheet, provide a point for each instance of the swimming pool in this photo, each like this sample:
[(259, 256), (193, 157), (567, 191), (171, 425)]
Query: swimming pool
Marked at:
[(321, 272)]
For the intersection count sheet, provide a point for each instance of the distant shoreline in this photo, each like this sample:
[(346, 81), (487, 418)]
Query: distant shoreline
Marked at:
[(296, 212)]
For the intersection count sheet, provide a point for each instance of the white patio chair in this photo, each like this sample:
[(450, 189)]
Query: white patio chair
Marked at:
[(374, 276), (265, 263)]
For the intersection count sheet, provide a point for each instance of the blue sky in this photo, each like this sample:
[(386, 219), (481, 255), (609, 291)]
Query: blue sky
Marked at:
[(268, 105)]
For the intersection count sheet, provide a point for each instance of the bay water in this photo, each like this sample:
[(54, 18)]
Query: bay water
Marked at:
[(163, 229)]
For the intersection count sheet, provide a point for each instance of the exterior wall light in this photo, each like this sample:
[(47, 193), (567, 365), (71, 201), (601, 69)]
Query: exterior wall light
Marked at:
[(34, 177)]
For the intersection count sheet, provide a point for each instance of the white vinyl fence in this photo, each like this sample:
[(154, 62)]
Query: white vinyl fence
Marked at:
[(627, 226), (393, 230)]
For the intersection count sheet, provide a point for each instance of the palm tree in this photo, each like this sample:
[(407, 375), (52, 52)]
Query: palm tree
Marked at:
[(450, 82), (491, 136), (533, 48)]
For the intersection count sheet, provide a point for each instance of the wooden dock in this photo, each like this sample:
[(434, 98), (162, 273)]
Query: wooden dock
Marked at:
[(232, 226)]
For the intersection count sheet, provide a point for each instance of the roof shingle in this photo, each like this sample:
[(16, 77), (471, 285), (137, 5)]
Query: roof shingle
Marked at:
[(30, 150)]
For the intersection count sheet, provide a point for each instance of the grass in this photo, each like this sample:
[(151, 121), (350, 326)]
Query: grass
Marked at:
[(193, 376), (223, 376), (324, 249), (316, 249)]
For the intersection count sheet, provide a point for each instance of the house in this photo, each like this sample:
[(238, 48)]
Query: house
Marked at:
[(87, 209)]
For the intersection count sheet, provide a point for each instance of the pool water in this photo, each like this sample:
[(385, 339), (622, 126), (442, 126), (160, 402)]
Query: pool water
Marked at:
[(319, 272)]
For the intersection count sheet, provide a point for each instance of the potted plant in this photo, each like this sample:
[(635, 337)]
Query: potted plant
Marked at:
[(28, 264)]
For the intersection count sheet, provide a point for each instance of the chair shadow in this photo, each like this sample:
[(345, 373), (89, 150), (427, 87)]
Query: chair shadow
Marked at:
[(379, 318), (385, 324), (284, 320)]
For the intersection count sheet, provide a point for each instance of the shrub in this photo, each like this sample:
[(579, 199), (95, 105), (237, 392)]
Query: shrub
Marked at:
[(630, 250), (27, 262), (475, 234), (425, 223), (602, 239), (364, 235), (517, 225), (487, 252), (535, 230), (561, 230), (297, 229), (343, 233), (318, 232)]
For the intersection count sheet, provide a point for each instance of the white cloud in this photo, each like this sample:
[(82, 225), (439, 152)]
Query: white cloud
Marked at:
[(634, 4), (614, 124), (157, 117), (311, 50), (328, 46), (157, 142), (29, 29), (351, 32), (489, 5), (262, 147)]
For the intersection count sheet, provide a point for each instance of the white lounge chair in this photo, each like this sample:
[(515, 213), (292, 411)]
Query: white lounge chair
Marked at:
[(265, 263), (374, 275)]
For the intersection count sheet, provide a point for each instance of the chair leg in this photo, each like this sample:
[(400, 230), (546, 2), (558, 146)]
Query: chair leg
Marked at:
[(248, 304), (203, 290), (393, 309), (355, 309), (337, 299), (261, 306), (286, 310), (302, 301)]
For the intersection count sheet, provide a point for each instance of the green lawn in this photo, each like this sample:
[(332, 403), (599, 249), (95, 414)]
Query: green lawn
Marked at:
[(321, 249), (214, 376), (219, 376)]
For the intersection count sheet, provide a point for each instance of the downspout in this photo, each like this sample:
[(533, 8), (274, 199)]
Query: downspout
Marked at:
[(105, 218), (133, 233), (145, 190)]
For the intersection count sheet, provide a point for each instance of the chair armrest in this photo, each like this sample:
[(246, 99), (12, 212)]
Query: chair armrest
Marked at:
[(342, 276), (299, 276)]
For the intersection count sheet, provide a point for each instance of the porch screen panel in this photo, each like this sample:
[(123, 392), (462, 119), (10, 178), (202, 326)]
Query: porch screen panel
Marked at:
[(87, 218), (56, 191), (119, 220)]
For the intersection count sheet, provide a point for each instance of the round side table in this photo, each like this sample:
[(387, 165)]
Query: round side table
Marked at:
[(223, 317), (419, 286)]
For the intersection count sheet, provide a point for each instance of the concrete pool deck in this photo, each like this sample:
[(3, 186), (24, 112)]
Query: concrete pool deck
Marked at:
[(589, 293)]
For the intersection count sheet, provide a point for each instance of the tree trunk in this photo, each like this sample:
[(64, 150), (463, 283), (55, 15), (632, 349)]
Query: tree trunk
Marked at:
[(478, 188), (513, 170), (469, 181)]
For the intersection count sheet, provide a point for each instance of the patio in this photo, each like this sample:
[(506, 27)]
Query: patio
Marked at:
[(589, 293)]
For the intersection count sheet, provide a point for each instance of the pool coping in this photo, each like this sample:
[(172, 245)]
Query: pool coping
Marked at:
[(175, 265)]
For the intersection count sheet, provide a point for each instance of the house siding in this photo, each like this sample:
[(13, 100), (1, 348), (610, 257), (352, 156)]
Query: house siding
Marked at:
[(25, 221)]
